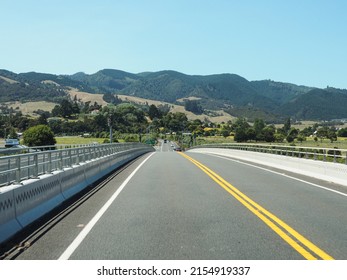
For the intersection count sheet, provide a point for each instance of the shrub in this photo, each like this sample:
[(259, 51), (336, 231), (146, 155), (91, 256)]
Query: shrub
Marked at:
[(40, 135)]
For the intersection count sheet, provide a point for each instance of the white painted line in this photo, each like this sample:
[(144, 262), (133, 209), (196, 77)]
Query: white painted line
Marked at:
[(78, 240), (290, 177)]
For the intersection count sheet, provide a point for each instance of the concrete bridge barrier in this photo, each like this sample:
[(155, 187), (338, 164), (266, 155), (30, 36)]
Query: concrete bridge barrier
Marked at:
[(73, 180), (35, 197), (8, 221), (328, 171)]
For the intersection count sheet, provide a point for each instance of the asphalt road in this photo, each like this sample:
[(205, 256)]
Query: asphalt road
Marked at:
[(201, 207)]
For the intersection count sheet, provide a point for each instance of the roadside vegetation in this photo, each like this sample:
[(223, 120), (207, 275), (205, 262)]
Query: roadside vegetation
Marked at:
[(73, 121)]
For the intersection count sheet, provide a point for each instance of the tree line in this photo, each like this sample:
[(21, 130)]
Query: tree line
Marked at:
[(260, 132), (74, 117)]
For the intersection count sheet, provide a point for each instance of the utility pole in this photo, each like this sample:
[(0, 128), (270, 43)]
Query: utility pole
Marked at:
[(110, 126)]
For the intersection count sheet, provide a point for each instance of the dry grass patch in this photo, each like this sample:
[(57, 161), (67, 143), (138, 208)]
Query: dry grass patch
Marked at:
[(223, 117), (10, 81), (28, 108), (86, 97)]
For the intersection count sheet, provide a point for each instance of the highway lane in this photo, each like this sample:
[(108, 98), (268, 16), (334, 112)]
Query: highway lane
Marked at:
[(316, 213), (171, 209), (165, 145)]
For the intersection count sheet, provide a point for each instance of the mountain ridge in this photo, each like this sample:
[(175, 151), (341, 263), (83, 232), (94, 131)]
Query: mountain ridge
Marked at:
[(275, 100)]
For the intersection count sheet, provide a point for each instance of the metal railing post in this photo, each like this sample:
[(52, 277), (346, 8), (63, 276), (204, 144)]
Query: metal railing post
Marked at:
[(334, 156), (69, 161), (83, 154), (78, 156), (60, 162), (8, 177), (36, 166), (49, 167), (18, 169), (28, 168), (44, 164)]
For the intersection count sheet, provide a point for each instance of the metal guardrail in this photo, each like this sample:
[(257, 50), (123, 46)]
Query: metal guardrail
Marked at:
[(322, 154), (32, 163), (23, 149)]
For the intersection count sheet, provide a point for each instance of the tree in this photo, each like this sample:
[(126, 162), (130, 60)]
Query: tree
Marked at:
[(12, 134), (56, 125), (268, 133), (307, 131), (301, 138), (287, 126), (40, 135), (292, 134), (241, 126), (42, 119), (111, 98), (322, 133), (57, 111), (332, 135), (153, 112), (240, 135), (66, 108), (342, 132), (225, 132), (290, 138), (258, 127), (251, 133), (75, 108), (86, 107), (101, 122), (175, 122), (279, 136), (193, 106)]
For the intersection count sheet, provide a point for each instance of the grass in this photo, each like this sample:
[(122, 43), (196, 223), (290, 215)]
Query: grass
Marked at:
[(71, 140), (68, 140), (341, 143), (30, 107), (77, 140)]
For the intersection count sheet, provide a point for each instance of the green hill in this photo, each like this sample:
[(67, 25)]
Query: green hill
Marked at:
[(281, 93), (317, 104), (272, 101), (26, 88)]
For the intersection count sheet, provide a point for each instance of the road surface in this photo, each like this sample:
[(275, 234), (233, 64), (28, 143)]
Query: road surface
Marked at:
[(171, 205)]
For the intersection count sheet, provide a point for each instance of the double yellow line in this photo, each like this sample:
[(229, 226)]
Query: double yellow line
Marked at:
[(302, 245)]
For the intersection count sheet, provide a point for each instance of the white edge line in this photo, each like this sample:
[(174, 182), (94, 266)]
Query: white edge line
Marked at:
[(80, 237), (278, 173)]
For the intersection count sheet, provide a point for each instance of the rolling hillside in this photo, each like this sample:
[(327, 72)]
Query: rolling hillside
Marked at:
[(272, 101)]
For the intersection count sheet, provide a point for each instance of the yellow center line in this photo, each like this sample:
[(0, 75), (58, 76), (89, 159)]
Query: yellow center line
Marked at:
[(267, 217)]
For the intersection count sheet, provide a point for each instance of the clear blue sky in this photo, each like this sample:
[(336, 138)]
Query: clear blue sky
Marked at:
[(298, 41)]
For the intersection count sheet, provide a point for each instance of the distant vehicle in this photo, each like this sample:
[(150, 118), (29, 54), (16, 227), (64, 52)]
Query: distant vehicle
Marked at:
[(178, 149), (9, 143), (165, 141)]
